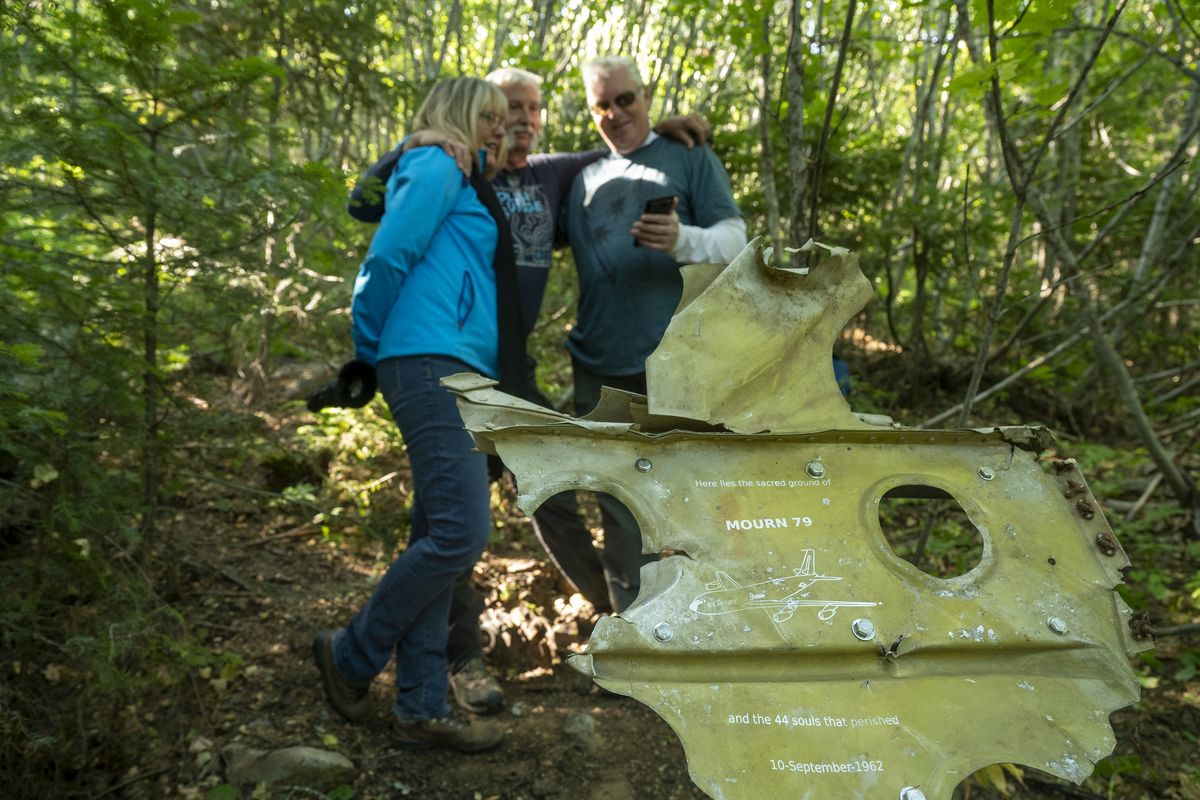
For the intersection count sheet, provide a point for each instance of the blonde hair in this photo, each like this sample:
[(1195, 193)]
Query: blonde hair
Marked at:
[(609, 64), (454, 106)]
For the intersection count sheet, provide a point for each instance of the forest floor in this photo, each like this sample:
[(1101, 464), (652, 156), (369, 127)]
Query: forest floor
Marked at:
[(256, 582)]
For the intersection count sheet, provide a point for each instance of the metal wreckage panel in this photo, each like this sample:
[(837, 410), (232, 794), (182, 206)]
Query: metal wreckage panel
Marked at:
[(792, 651)]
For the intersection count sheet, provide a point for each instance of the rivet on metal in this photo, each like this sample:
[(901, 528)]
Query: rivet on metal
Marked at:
[(815, 469), (1057, 625), (1141, 628), (986, 473), (643, 465), (1106, 543), (911, 793), (863, 629), (1073, 489), (663, 632)]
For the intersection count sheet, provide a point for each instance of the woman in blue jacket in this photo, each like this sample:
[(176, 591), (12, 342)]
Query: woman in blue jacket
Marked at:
[(432, 299)]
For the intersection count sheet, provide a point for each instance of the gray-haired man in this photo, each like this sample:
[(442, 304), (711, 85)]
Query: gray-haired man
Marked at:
[(628, 262)]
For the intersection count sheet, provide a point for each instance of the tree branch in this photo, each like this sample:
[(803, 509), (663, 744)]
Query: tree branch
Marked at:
[(829, 106)]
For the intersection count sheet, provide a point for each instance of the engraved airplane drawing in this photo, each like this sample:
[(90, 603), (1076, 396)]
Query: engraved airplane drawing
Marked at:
[(778, 596)]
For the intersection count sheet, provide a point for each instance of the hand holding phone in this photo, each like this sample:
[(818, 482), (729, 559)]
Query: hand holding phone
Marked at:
[(656, 205)]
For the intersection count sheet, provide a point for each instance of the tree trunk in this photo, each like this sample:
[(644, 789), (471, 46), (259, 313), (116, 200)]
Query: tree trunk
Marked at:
[(545, 17), (453, 22), (767, 151), (257, 372), (830, 104), (1164, 205), (798, 152), (151, 451), (1108, 357)]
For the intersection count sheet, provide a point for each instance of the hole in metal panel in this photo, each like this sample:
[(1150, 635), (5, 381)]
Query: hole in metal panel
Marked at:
[(928, 528)]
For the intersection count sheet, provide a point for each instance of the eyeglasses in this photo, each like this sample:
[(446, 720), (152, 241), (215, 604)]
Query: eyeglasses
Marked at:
[(493, 119), (623, 100)]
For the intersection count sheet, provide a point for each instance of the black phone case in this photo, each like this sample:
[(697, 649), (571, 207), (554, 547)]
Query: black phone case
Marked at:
[(656, 205)]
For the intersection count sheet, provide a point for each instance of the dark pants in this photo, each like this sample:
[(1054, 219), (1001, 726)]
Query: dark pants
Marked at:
[(560, 528), (614, 573), (465, 641), (467, 603), (609, 579)]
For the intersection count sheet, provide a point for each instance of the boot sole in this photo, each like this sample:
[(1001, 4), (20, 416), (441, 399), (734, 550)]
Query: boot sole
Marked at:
[(323, 656), (481, 710)]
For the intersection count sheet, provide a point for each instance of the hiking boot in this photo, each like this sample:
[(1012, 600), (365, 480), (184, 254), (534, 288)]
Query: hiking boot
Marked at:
[(475, 689), (447, 733), (350, 700)]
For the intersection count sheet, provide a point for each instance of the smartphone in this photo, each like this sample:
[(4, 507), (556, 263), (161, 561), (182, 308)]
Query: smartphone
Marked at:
[(657, 205)]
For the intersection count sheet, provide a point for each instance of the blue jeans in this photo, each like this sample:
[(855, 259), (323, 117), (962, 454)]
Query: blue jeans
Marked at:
[(409, 609)]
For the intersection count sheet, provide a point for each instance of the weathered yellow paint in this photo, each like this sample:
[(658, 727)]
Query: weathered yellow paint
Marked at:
[(792, 651)]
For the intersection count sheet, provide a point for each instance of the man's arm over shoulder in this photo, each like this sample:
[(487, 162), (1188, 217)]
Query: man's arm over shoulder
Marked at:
[(564, 166), (556, 172), (366, 202)]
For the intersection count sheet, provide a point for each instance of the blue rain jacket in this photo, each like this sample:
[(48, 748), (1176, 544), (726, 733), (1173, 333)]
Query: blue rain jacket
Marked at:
[(427, 285)]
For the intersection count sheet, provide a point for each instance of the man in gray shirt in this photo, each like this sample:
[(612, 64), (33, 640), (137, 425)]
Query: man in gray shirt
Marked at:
[(628, 258)]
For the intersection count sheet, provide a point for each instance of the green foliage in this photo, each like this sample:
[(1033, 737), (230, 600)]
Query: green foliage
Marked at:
[(359, 447), (998, 776), (1112, 770), (934, 535), (1189, 659), (172, 230), (1164, 576), (138, 187)]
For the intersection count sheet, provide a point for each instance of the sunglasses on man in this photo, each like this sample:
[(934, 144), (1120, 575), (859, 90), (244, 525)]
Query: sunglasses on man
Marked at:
[(623, 100)]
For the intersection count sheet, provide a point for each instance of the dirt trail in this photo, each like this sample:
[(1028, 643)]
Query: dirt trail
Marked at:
[(261, 602)]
